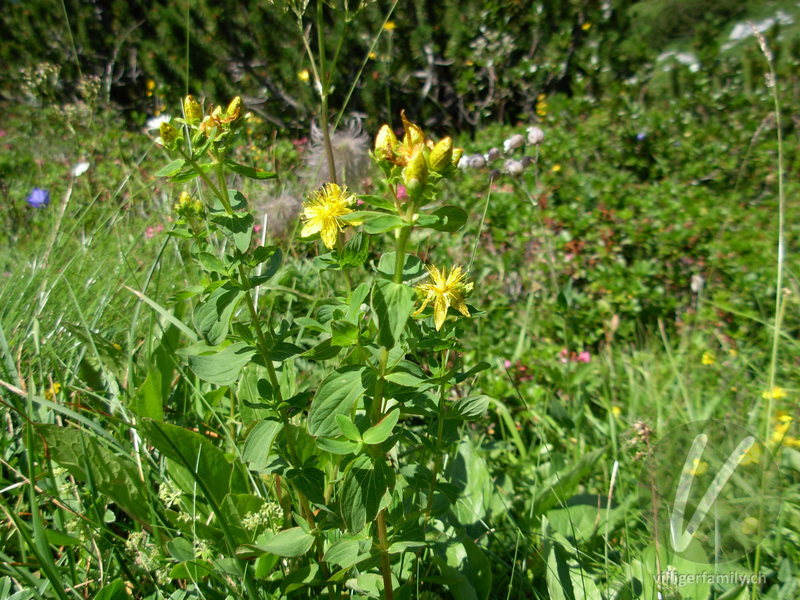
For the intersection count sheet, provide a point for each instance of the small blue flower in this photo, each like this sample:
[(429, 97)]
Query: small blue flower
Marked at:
[(38, 198), (641, 135)]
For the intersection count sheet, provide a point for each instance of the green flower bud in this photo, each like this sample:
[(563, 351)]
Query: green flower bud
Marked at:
[(168, 134), (385, 143), (441, 156), (234, 110), (192, 110), (415, 174)]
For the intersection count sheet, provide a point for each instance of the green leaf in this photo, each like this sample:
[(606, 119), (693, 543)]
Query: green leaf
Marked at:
[(567, 580), (563, 483), (337, 394), (288, 543), (148, 401), (348, 428), (259, 442), (116, 590), (212, 318), (380, 432), (413, 267), (310, 481), (172, 168), (392, 303), (465, 570), (444, 218), (340, 447), (238, 227), (343, 333), (364, 485), (250, 172), (378, 202), (194, 452), (355, 251), (375, 222), (263, 254), (113, 475), (219, 365), (347, 551), (325, 350), (470, 408)]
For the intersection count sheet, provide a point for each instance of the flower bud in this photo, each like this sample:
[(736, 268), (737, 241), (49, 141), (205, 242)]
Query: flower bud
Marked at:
[(476, 161), (512, 143), (492, 155), (192, 110), (514, 167), (208, 125), (414, 135), (184, 200), (385, 143), (535, 135), (168, 133), (415, 174), (441, 156), (234, 110), (457, 154)]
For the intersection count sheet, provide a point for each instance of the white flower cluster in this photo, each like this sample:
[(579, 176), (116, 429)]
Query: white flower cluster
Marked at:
[(511, 166), (266, 516)]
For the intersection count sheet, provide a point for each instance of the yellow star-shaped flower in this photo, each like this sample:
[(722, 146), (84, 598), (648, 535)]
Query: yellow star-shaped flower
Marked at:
[(445, 291), (323, 210)]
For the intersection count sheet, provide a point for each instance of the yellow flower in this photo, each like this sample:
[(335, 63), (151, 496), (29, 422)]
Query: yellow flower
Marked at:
[(782, 425), (304, 75), (708, 358), (586, 26), (698, 467), (556, 168), (776, 393), (616, 411), (52, 391), (445, 291), (373, 56), (322, 211), (389, 26), (752, 456)]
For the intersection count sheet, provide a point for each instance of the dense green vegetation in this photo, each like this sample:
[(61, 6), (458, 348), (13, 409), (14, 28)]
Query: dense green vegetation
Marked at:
[(204, 398)]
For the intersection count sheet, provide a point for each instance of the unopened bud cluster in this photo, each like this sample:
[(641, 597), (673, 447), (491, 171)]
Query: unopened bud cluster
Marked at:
[(510, 166), (217, 124), (418, 157), (186, 206)]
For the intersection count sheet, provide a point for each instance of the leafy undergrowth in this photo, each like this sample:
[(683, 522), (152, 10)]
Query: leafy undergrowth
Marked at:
[(162, 440)]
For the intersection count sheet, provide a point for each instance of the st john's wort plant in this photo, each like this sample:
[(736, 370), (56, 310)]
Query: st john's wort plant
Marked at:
[(345, 418)]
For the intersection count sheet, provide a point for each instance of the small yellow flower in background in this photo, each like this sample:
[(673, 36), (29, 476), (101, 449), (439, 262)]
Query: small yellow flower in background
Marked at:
[(586, 26), (304, 75), (732, 352), (52, 391), (783, 422), (749, 525), (699, 467), (616, 411), (445, 291), (556, 168), (752, 456), (776, 393), (389, 26), (322, 211), (373, 55), (151, 85), (708, 359)]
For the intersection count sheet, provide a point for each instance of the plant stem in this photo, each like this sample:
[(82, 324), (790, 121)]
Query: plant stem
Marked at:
[(386, 569), (323, 93)]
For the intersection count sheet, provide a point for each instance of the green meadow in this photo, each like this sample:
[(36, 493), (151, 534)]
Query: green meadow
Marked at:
[(399, 300)]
